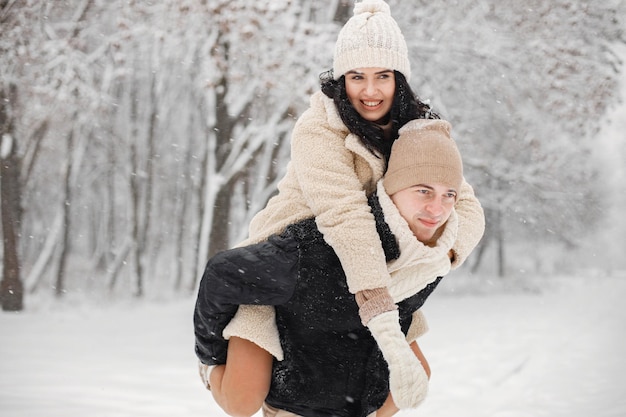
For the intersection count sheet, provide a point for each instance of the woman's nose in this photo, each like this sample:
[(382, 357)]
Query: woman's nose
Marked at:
[(370, 88)]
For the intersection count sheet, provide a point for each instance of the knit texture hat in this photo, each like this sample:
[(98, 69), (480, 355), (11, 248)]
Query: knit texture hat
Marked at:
[(424, 153), (371, 39)]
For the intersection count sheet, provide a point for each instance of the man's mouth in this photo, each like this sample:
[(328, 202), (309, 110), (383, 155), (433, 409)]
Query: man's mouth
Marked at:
[(429, 223)]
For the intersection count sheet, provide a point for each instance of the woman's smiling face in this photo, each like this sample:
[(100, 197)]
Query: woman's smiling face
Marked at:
[(371, 91)]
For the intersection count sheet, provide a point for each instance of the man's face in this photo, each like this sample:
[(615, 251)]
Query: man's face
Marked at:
[(425, 207)]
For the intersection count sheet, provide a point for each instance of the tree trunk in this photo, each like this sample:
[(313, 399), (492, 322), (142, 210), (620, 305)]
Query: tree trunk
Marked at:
[(343, 12), (182, 212), (480, 251), (485, 241), (135, 219), (221, 220), (200, 248), (148, 190), (37, 273), (136, 181), (225, 123), (11, 286), (499, 232), (59, 288), (113, 271)]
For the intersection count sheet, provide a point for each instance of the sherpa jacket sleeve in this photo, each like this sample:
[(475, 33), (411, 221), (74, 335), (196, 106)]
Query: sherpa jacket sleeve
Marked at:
[(326, 170), (471, 224), (258, 325), (418, 327)]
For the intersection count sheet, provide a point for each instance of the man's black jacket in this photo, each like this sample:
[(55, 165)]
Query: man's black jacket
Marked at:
[(332, 365)]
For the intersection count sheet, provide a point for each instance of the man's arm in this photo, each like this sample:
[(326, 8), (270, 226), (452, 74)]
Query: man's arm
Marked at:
[(389, 408)]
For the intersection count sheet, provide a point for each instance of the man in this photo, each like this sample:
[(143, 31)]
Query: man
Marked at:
[(333, 358)]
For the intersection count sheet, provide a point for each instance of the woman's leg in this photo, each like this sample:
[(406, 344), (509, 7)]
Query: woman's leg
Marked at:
[(240, 386), (261, 274)]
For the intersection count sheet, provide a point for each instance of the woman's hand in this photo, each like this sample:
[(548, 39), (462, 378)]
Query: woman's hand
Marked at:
[(389, 408), (408, 380)]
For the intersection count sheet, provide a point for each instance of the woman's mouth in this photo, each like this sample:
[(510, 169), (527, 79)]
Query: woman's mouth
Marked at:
[(371, 104)]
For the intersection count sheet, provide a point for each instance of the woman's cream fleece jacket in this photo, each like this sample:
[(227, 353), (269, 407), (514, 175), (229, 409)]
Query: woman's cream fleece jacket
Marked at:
[(329, 177)]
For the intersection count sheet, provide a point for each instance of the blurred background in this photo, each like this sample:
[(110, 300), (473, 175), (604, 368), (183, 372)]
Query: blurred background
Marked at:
[(138, 138)]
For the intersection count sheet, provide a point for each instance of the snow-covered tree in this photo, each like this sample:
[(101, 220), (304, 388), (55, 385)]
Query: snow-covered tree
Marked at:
[(145, 135), (38, 77), (526, 85)]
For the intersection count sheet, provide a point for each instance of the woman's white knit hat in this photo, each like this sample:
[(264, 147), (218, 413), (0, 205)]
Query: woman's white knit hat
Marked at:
[(371, 39), (424, 153)]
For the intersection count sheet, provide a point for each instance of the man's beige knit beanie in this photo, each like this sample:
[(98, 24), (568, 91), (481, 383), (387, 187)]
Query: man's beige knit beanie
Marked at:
[(371, 39), (424, 153)]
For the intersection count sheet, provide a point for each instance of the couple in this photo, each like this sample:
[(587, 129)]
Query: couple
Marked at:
[(318, 312)]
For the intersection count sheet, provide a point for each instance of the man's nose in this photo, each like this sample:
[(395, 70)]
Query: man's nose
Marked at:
[(435, 207)]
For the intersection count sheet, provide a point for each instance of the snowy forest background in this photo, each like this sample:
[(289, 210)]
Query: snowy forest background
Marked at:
[(139, 137)]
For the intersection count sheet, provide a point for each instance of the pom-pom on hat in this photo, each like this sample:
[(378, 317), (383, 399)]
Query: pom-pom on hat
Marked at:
[(424, 153), (371, 39)]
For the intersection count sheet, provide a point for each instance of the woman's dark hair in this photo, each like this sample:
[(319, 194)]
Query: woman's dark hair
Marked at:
[(406, 106)]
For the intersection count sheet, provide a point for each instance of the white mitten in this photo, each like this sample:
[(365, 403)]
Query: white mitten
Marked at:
[(408, 381)]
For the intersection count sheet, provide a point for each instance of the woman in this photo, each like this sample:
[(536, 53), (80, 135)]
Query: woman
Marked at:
[(329, 176), (340, 148)]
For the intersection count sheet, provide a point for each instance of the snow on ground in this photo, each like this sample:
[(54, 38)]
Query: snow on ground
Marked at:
[(552, 352)]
